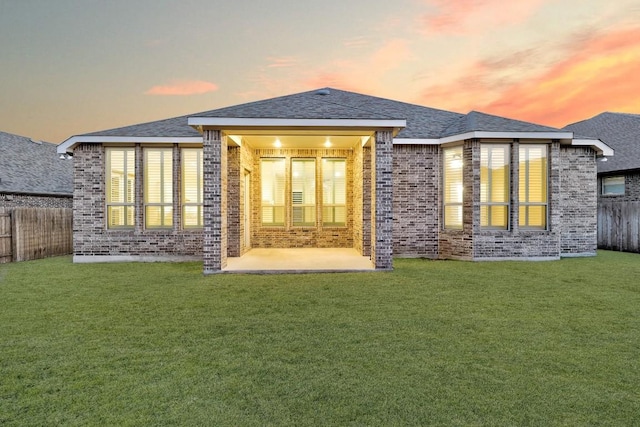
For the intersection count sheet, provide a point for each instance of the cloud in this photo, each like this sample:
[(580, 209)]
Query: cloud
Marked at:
[(470, 16), (183, 87), (282, 62), (600, 73), (595, 73)]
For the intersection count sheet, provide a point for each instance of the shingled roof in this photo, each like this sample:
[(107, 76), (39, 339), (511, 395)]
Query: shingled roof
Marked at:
[(620, 131), (476, 121), (33, 167), (334, 104)]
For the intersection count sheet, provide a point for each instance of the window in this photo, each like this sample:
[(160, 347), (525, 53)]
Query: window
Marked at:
[(121, 187), (613, 186), (192, 187), (303, 192), (494, 186), (272, 173), (453, 187), (334, 192), (158, 187), (533, 178)]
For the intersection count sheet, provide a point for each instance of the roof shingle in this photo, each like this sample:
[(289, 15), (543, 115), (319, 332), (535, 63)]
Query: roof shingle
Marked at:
[(620, 131), (33, 167)]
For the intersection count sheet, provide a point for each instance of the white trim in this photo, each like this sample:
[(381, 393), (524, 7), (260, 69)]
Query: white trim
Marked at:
[(223, 122), (509, 135), (68, 145), (601, 148), (416, 141)]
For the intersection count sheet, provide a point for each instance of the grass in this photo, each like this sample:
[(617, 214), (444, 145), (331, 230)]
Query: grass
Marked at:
[(432, 343)]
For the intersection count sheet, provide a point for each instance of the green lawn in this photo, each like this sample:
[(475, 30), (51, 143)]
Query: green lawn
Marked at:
[(431, 343)]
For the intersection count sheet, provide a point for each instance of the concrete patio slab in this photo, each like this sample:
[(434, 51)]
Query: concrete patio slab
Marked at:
[(299, 260)]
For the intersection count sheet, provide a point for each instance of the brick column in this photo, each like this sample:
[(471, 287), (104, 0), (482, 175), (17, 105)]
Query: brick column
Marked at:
[(382, 201), (214, 249)]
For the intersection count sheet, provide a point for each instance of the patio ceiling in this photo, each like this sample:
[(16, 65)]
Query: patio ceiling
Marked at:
[(301, 139)]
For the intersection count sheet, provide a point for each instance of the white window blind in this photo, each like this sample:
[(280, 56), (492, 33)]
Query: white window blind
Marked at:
[(192, 188), (453, 189), (120, 168), (303, 192), (158, 187), (533, 177), (272, 175), (334, 192), (494, 186)]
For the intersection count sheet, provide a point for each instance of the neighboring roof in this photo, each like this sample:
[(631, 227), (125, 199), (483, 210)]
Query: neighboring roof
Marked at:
[(620, 131), (33, 167), (328, 106)]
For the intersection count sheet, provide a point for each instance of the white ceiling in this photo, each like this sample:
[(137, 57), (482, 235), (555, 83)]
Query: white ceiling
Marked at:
[(300, 139)]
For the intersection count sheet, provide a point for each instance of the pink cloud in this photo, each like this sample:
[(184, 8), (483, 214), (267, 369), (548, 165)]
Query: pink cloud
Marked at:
[(467, 16), (601, 73), (183, 87)]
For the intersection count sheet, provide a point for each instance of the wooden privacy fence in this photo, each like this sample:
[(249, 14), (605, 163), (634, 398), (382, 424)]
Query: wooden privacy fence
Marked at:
[(34, 233), (619, 226)]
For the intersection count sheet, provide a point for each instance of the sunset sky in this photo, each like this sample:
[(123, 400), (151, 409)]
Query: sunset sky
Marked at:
[(69, 67)]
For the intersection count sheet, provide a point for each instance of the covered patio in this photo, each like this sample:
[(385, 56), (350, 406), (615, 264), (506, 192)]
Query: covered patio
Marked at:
[(266, 184)]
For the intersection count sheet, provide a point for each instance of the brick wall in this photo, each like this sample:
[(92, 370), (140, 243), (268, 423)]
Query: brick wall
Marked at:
[(416, 200), (382, 200), (92, 239), (578, 201)]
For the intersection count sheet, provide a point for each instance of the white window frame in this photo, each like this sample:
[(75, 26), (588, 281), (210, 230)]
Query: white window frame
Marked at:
[(606, 188), (128, 207)]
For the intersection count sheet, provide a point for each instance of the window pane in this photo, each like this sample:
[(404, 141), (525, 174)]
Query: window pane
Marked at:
[(613, 185), (158, 187), (303, 191), (272, 175), (533, 177), (192, 187), (494, 185), (120, 168), (334, 192), (453, 190)]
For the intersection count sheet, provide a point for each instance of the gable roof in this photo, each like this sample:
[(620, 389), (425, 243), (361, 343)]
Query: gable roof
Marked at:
[(335, 104), (329, 107), (33, 167), (620, 131)]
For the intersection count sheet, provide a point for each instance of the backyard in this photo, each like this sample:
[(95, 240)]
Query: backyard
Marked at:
[(431, 343)]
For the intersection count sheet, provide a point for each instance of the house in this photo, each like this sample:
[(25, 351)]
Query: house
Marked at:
[(333, 169), (618, 179), (619, 176), (32, 175)]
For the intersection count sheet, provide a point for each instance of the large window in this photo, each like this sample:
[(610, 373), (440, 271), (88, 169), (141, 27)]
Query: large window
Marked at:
[(494, 186), (303, 192), (334, 192), (613, 186), (192, 187), (533, 177), (272, 174), (453, 187), (121, 187), (158, 187)]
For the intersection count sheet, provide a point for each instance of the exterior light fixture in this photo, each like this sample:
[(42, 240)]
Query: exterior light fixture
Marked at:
[(327, 143), (277, 144)]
